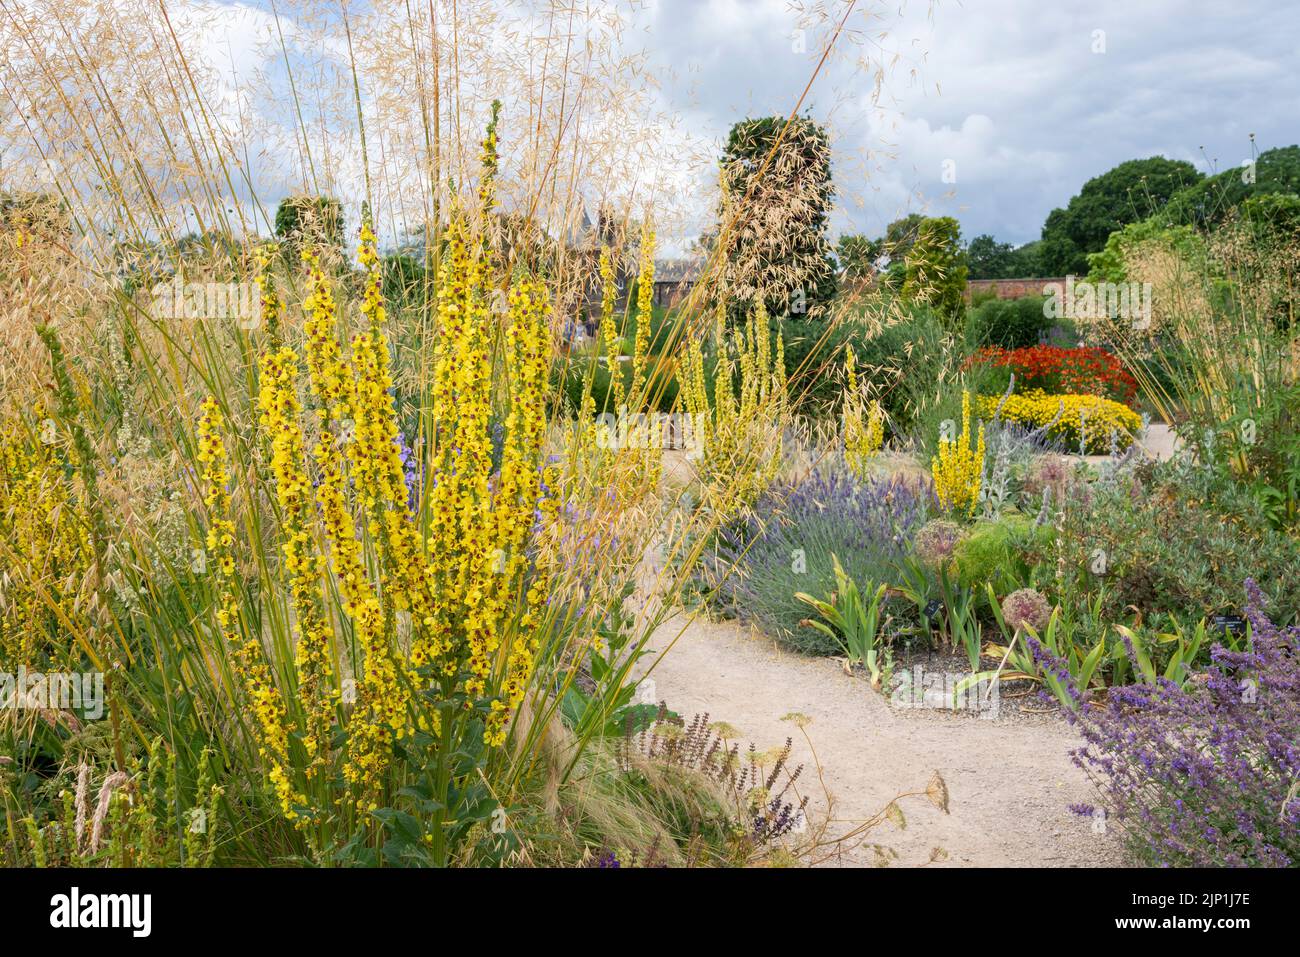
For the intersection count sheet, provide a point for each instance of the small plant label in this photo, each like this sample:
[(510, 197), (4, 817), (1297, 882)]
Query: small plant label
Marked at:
[(1232, 624), (932, 609)]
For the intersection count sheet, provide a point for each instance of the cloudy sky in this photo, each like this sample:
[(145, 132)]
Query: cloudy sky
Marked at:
[(1021, 101), (993, 111)]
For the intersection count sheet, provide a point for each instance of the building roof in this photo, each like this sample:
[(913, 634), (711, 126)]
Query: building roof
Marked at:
[(678, 270)]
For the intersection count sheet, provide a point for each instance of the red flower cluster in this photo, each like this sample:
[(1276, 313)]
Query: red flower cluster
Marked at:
[(1055, 369)]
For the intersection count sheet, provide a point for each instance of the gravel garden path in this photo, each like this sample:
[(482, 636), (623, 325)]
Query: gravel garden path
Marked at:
[(1010, 778)]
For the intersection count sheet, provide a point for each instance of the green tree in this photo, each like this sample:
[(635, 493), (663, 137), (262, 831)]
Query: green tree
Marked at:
[(989, 259), (316, 220), (1275, 217), (1208, 201), (1131, 191), (857, 255), (901, 234), (1025, 262), (1111, 264), (775, 215), (936, 269)]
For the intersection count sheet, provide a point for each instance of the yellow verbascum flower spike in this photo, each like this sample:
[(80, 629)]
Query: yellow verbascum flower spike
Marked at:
[(958, 468)]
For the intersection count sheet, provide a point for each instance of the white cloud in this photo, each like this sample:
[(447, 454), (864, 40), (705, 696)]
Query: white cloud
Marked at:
[(1011, 90)]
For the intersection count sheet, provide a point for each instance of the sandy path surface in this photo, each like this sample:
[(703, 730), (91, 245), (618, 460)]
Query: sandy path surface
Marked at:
[(1010, 779)]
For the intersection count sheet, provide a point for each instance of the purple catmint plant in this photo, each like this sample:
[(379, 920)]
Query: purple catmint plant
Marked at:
[(1206, 775)]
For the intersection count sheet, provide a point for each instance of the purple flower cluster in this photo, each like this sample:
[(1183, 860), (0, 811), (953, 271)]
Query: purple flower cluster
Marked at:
[(410, 470), (787, 542), (1206, 775)]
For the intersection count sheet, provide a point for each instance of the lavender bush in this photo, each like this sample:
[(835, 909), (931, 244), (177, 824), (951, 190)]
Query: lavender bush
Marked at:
[(786, 545), (1206, 776)]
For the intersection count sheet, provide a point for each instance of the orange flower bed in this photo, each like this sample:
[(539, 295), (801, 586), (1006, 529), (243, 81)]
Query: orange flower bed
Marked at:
[(1055, 369)]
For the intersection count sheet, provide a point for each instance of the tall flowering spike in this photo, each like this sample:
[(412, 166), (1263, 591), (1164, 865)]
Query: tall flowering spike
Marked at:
[(376, 452), (279, 408), (959, 467), (462, 548), (46, 524), (609, 337), (381, 714), (739, 432), (778, 366), (272, 307), (252, 670), (645, 290), (527, 338), (453, 304), (330, 381), (863, 423), (490, 162), (523, 650)]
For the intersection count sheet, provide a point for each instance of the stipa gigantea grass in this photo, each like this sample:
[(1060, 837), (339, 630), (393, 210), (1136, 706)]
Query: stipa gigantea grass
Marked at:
[(191, 632)]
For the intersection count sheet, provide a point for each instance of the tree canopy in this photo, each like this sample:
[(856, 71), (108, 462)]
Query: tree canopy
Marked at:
[(1131, 191)]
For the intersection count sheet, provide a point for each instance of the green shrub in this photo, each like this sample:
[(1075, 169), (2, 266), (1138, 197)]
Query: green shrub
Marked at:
[(1176, 539), (1009, 323), (793, 539), (1002, 553), (936, 269), (309, 220)]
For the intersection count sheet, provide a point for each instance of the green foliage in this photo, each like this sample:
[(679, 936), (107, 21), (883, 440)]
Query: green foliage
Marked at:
[(1130, 192), (1175, 539), (900, 235), (1111, 263), (1063, 639), (309, 219), (1009, 323), (852, 619), (1273, 460), (902, 362), (1208, 201), (1274, 217), (987, 258), (857, 255), (934, 394), (1001, 553), (936, 269), (570, 376), (406, 282), (1186, 648)]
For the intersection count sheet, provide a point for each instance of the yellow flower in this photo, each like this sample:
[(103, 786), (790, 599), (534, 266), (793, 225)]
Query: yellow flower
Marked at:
[(45, 522), (644, 314), (741, 435), (1068, 418), (958, 469), (608, 333), (254, 674), (864, 423), (330, 380), (279, 406), (271, 305)]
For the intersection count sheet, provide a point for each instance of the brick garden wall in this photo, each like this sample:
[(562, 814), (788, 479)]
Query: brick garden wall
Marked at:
[(1010, 288)]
